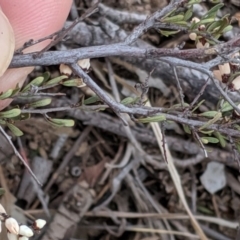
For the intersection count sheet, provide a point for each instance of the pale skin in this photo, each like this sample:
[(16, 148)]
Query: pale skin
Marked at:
[(31, 19)]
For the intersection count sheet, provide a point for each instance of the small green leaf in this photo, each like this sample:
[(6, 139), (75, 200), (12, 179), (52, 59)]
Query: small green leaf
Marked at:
[(204, 210), (221, 139), (35, 82), (10, 113), (157, 118), (211, 13), (40, 103), (169, 13), (16, 91), (193, 26), (56, 80), (214, 25), (46, 76), (168, 33), (188, 14), (78, 82), (173, 19), (209, 140), (205, 21), (198, 105), (57, 122), (2, 122), (204, 141), (226, 107), (178, 105), (15, 130), (128, 100), (227, 29), (91, 100), (191, 2), (6, 94), (182, 23), (209, 114), (212, 121), (186, 129), (209, 132)]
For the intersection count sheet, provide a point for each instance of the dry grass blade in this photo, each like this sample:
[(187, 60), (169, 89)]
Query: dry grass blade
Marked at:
[(174, 216), (175, 177)]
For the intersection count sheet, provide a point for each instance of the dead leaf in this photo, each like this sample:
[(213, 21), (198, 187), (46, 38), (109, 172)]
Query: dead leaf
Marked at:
[(92, 174)]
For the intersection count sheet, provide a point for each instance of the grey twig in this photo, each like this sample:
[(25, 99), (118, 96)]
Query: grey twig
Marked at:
[(150, 21), (73, 55), (179, 86), (60, 109), (19, 155)]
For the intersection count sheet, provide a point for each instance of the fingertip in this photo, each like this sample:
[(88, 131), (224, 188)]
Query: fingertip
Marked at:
[(30, 20), (7, 43), (35, 19)]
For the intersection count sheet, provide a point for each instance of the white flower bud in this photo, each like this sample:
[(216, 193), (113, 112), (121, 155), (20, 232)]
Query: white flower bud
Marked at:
[(12, 236), (217, 74), (84, 63), (236, 83), (12, 225), (206, 45), (23, 238), (202, 27), (195, 20), (199, 45), (65, 69), (193, 36), (25, 231), (40, 223), (224, 68)]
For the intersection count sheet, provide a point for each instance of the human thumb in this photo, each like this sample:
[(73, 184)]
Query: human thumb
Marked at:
[(7, 43), (30, 20)]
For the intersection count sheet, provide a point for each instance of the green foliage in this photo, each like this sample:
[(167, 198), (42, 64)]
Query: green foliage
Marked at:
[(157, 118), (56, 80), (15, 130), (130, 100), (212, 26), (56, 122), (34, 89), (73, 83), (40, 103), (91, 100), (34, 83), (216, 117), (221, 139), (6, 94), (208, 28), (207, 140), (10, 113), (186, 129)]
